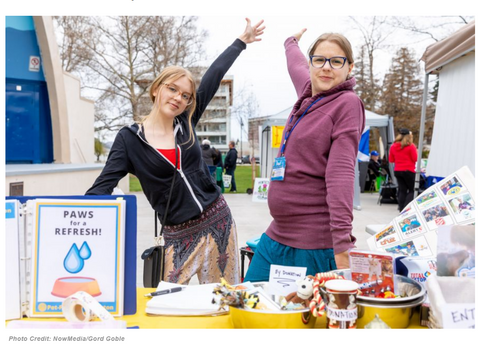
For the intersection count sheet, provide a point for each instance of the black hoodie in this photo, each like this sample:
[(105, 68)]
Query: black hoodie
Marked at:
[(194, 187)]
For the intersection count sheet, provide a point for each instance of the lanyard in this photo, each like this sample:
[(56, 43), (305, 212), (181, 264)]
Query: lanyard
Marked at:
[(287, 134)]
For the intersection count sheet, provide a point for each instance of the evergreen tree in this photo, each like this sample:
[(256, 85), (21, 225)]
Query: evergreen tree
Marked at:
[(367, 87), (403, 91)]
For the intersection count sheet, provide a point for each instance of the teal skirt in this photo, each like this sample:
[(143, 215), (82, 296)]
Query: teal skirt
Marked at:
[(270, 252)]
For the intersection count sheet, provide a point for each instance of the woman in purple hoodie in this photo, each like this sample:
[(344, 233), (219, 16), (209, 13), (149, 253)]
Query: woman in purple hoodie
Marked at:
[(311, 191)]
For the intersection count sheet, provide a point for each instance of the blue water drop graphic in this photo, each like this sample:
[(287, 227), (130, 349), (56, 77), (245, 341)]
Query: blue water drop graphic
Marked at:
[(85, 251), (73, 263)]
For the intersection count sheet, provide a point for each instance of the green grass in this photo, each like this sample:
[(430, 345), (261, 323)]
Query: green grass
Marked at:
[(134, 184), (243, 179)]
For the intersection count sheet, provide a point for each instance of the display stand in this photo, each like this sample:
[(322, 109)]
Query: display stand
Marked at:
[(130, 267)]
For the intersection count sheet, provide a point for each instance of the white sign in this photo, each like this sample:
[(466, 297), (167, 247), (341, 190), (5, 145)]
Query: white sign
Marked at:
[(458, 315), (34, 64), (77, 246), (283, 279), (260, 190)]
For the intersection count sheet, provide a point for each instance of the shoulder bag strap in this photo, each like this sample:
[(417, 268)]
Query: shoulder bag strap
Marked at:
[(159, 238)]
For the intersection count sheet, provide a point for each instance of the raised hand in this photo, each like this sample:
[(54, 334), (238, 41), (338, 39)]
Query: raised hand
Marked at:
[(252, 33), (299, 34)]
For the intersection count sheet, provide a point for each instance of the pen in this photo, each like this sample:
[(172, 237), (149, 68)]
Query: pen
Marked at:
[(164, 292)]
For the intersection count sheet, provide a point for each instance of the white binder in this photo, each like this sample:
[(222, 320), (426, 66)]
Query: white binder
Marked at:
[(65, 246)]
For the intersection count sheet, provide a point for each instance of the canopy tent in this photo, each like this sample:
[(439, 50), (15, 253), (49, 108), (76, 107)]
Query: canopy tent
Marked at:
[(453, 140), (373, 120)]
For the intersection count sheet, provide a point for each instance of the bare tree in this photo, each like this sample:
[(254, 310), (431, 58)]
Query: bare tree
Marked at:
[(434, 28), (127, 53), (375, 32), (245, 107), (73, 34)]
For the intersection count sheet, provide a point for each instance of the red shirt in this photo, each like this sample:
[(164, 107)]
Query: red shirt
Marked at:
[(405, 159), (170, 155)]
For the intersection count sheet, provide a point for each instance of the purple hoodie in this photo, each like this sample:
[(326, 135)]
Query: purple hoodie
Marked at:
[(312, 207)]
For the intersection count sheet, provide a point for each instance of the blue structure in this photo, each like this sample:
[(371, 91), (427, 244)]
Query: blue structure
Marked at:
[(28, 121)]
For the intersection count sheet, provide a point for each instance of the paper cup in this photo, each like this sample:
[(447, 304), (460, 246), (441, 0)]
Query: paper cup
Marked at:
[(341, 304)]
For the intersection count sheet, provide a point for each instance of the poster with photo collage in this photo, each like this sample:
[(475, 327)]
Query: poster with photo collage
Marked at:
[(414, 231)]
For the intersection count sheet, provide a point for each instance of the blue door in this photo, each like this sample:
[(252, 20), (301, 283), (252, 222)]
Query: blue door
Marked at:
[(28, 129)]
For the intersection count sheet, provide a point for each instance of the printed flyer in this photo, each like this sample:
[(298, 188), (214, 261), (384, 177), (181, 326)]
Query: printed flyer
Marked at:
[(260, 191), (414, 232), (76, 245)]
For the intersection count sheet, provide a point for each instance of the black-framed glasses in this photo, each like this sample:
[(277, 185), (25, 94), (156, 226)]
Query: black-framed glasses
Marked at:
[(336, 62), (174, 91)]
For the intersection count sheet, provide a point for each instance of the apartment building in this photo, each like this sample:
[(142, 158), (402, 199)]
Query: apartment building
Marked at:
[(215, 122)]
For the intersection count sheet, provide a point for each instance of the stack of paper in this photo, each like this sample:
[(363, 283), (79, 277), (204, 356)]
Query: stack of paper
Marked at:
[(194, 300)]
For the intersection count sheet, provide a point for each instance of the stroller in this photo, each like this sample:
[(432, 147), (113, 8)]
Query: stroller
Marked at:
[(388, 192)]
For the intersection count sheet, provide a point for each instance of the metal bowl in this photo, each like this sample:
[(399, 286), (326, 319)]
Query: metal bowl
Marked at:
[(253, 318), (395, 312)]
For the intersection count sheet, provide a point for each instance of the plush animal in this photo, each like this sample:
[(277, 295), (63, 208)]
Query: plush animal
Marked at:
[(304, 292)]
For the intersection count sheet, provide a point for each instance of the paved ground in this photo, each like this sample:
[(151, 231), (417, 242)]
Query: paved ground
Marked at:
[(253, 218)]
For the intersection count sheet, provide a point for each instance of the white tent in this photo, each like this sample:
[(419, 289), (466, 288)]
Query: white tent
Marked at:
[(453, 141)]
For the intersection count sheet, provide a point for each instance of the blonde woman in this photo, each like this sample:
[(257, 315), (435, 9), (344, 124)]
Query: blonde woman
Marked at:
[(404, 154), (200, 233)]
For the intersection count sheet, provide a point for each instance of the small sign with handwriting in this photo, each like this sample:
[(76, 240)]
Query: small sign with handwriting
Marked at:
[(458, 315), (283, 279)]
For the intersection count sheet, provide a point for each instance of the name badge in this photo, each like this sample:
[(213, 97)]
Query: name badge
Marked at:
[(278, 170)]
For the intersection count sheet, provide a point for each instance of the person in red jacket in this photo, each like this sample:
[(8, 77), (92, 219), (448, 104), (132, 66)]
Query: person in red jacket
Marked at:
[(404, 154)]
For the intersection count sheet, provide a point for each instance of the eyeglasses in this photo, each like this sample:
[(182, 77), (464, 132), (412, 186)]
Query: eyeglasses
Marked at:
[(336, 62), (174, 91)]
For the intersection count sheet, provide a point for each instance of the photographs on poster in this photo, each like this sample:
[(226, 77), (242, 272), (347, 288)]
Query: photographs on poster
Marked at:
[(451, 187), (416, 247), (463, 207), (426, 199), (390, 230), (448, 202), (405, 248), (437, 215), (410, 225)]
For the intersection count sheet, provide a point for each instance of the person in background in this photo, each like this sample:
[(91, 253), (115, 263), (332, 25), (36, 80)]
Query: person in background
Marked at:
[(209, 154), (310, 196), (200, 233), (384, 167), (403, 154), (231, 165), (374, 164), (218, 162), (373, 169)]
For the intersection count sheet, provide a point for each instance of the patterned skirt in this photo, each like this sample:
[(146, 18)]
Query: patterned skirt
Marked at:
[(206, 246)]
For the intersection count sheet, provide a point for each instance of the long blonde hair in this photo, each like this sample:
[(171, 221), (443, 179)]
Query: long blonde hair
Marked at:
[(168, 75), (404, 139)]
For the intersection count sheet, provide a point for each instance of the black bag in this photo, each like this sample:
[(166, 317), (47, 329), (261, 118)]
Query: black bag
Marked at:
[(154, 257), (153, 265), (388, 193)]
